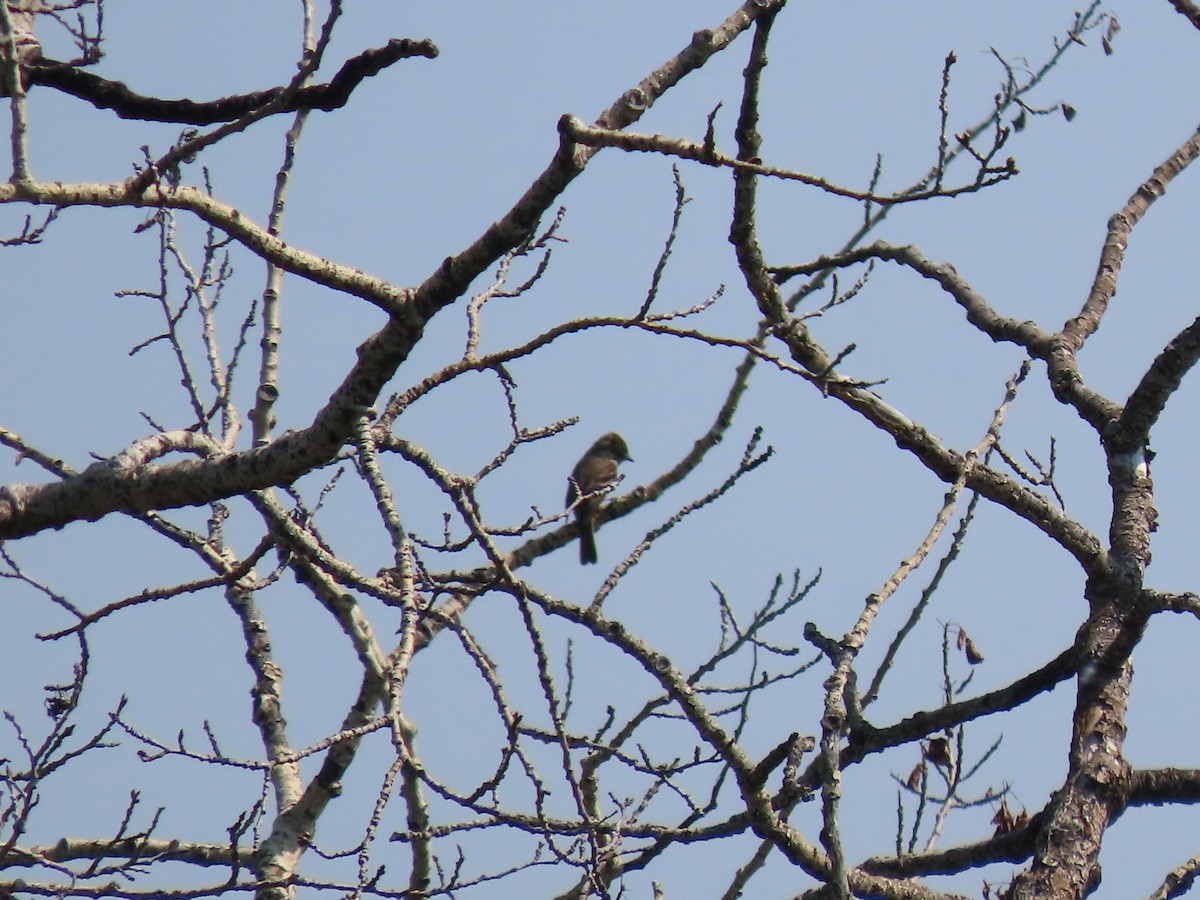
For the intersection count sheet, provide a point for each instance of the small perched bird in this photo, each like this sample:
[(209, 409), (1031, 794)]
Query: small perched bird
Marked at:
[(597, 469)]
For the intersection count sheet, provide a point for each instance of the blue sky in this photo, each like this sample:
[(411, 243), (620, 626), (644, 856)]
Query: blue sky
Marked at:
[(427, 155)]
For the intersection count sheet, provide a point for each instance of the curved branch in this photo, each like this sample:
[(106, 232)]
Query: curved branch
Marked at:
[(866, 741), (1161, 380), (1188, 10), (1026, 335), (115, 95), (706, 155), (229, 219), (1144, 787), (1065, 379)]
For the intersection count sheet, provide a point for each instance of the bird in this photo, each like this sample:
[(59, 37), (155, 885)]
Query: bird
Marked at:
[(596, 470)]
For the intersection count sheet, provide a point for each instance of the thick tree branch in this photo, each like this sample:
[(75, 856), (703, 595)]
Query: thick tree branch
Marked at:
[(1025, 334), (1188, 10), (105, 94), (865, 741), (1160, 382), (1065, 380)]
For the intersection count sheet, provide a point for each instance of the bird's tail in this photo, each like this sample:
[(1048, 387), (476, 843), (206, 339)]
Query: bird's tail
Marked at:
[(587, 546)]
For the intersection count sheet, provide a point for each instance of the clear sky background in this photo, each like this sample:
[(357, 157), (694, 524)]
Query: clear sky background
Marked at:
[(428, 154)]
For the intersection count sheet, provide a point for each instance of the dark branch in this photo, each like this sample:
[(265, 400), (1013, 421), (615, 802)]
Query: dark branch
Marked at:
[(115, 95)]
